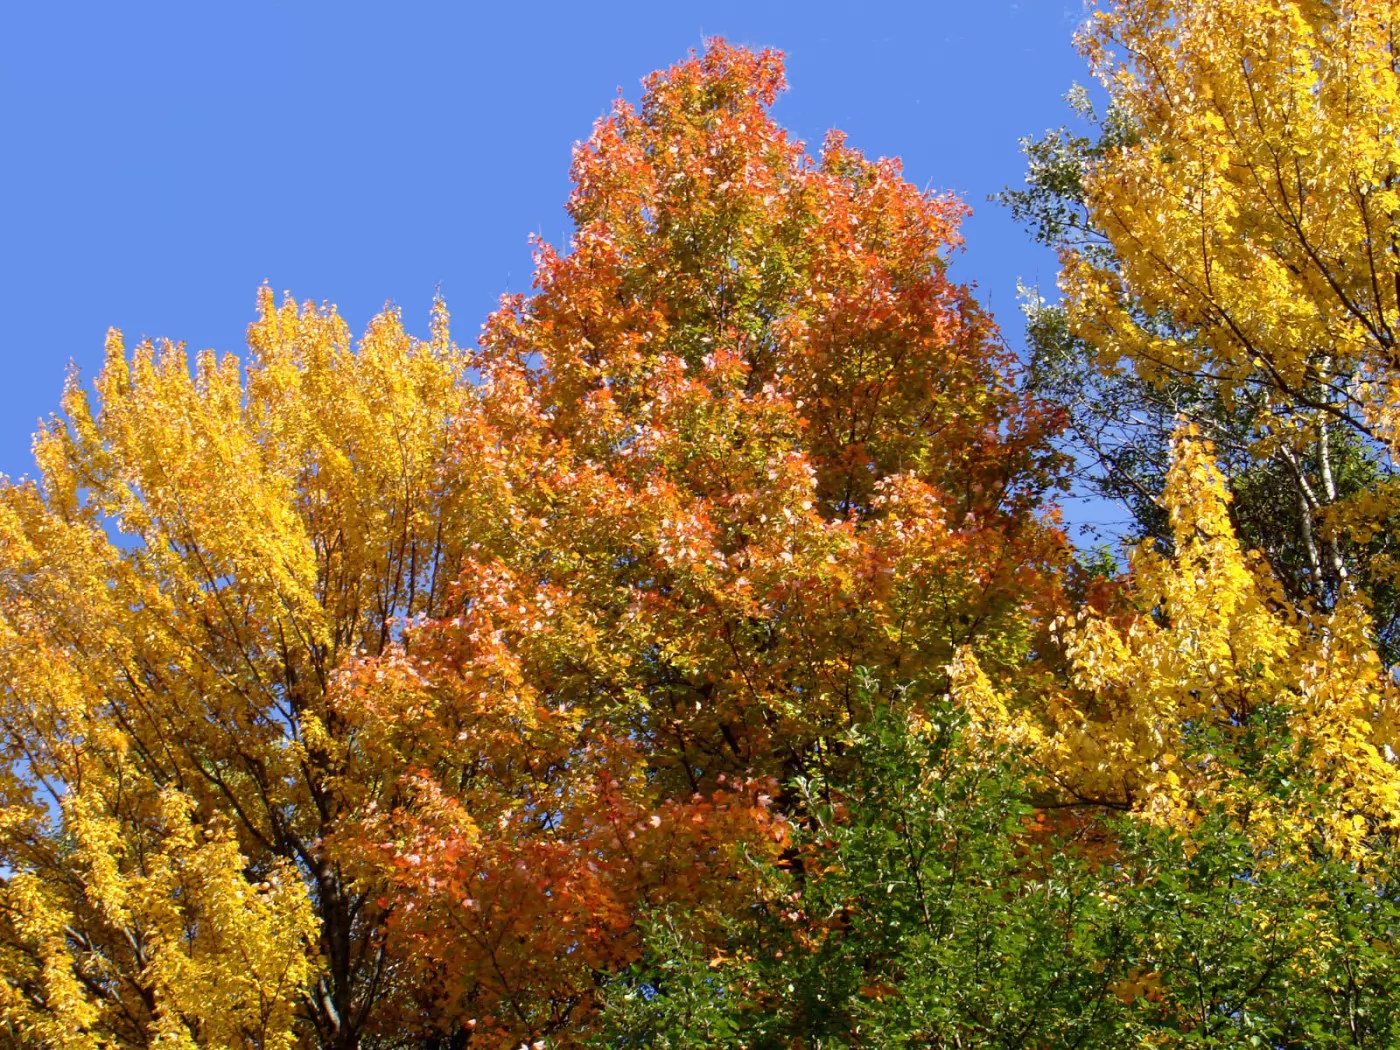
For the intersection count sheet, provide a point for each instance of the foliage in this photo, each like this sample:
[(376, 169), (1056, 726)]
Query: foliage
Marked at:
[(935, 905), (1298, 462), (222, 958), (396, 693), (477, 653), (1205, 856), (913, 913), (1172, 694), (1224, 245)]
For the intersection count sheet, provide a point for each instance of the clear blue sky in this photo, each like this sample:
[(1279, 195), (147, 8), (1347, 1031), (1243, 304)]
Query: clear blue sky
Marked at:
[(162, 160)]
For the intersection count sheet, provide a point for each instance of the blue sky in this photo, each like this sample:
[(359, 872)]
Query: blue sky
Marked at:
[(162, 160)]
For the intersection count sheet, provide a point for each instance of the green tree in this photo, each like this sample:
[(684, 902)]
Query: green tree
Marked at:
[(929, 902)]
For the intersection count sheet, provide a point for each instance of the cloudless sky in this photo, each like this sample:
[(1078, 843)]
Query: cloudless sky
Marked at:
[(162, 160)]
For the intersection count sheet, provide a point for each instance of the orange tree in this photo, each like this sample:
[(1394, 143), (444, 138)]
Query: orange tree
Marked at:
[(1231, 255), (366, 693)]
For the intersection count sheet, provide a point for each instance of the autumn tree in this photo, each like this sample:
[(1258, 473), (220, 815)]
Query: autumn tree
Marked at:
[(1228, 261), (365, 693), (1226, 235), (1181, 693), (182, 588), (749, 437), (1223, 246), (1219, 725)]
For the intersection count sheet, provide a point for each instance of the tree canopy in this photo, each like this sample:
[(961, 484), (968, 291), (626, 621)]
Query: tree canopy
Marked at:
[(698, 659)]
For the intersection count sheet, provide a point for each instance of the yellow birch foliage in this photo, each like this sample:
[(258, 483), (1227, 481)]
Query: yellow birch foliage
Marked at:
[(1255, 200), (169, 942), (1160, 707), (201, 554)]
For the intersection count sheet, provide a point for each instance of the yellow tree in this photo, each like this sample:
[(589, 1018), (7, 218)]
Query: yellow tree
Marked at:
[(155, 936), (1249, 198), (1246, 197), (1202, 686), (201, 556)]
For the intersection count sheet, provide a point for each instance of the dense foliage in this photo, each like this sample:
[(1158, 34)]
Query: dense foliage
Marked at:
[(937, 904), (697, 660), (1227, 234)]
